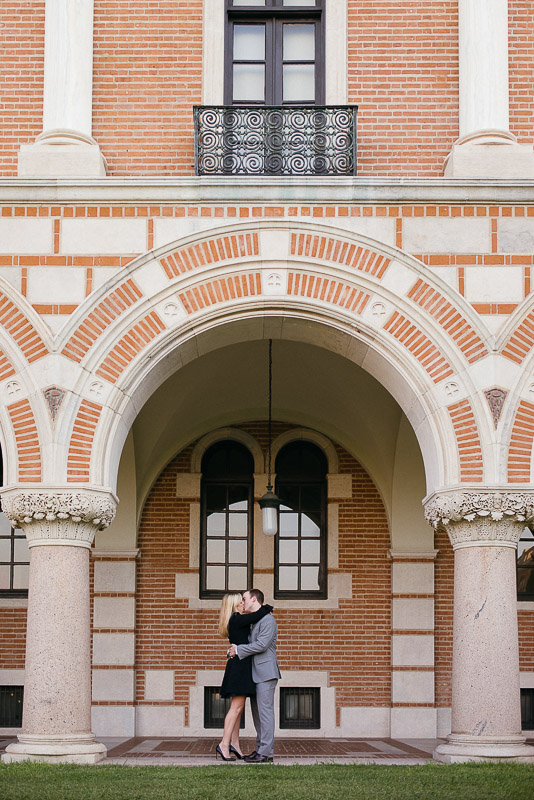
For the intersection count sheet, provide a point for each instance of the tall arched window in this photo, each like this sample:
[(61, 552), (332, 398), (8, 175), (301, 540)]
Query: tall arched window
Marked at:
[(226, 503), (300, 552)]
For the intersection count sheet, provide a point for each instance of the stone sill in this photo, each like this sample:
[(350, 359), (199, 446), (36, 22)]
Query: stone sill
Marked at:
[(13, 602), (237, 189)]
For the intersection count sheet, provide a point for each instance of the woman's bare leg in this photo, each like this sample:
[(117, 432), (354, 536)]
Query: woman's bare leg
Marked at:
[(232, 718), (234, 739)]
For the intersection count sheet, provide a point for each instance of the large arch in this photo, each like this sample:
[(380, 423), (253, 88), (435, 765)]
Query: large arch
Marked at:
[(374, 304)]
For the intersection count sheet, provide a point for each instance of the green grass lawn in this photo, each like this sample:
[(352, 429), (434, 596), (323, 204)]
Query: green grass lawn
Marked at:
[(268, 782)]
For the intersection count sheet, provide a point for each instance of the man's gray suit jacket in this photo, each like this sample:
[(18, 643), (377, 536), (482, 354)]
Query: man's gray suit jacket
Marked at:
[(262, 648)]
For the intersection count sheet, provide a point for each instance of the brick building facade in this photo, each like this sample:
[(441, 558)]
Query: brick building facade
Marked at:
[(142, 275)]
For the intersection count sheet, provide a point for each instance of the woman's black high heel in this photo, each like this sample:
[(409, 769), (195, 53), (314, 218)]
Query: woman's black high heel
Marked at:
[(219, 752), (236, 752)]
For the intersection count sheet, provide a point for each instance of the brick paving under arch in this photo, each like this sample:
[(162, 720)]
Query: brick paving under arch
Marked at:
[(194, 751), (201, 751), (188, 751)]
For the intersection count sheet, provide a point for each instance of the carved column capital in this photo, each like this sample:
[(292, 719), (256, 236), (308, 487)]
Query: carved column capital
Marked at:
[(480, 516), (59, 515)]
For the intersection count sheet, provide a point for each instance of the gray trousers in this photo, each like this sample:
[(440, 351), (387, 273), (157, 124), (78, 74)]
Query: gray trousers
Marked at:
[(262, 706)]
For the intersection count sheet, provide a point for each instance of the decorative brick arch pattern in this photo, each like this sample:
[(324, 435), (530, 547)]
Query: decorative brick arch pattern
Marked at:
[(6, 367), (305, 284), (419, 345), (242, 258), (328, 248), (521, 443), (27, 441), (96, 322), (221, 290), (450, 319), (21, 329), (521, 341), (468, 442), (129, 346), (209, 252), (81, 443)]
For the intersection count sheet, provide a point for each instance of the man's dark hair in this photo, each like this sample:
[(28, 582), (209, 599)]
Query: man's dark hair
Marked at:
[(258, 594)]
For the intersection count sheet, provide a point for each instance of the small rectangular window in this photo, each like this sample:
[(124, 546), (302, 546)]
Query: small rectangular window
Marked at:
[(216, 708), (300, 708), (11, 701), (527, 709)]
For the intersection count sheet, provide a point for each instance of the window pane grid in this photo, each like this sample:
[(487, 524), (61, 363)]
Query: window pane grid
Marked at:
[(300, 545), (226, 519), (286, 66), (14, 561), (226, 546)]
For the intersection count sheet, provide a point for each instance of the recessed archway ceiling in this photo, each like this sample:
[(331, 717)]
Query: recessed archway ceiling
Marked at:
[(312, 387)]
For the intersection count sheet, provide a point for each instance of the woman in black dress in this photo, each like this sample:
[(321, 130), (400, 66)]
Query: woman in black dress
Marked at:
[(237, 682)]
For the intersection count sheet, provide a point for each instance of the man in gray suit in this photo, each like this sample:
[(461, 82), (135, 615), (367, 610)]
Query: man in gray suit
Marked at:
[(265, 674)]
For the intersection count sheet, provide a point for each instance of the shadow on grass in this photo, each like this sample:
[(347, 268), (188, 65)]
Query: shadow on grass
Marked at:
[(27, 781)]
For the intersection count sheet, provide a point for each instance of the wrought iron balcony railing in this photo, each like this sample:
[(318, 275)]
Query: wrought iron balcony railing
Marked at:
[(275, 140)]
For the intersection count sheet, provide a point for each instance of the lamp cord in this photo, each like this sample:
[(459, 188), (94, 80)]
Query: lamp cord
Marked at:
[(269, 429)]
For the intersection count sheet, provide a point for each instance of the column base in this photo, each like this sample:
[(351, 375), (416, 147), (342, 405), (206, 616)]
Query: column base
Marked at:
[(75, 749), (460, 749), (61, 154), (506, 160)]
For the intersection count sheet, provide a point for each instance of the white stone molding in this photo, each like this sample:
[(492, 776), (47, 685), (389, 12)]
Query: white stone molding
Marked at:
[(59, 515), (484, 97), (483, 63), (66, 146), (236, 435), (480, 517)]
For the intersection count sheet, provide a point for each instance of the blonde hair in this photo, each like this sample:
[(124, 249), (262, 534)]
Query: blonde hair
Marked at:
[(229, 604)]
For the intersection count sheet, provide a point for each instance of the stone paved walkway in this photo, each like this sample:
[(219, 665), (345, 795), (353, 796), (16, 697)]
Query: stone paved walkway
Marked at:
[(195, 751), (192, 751)]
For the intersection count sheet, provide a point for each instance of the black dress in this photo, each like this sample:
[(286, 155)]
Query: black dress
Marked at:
[(237, 681)]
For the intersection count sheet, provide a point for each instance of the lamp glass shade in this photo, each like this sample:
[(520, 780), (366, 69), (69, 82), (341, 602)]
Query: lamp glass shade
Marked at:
[(269, 504), (269, 518)]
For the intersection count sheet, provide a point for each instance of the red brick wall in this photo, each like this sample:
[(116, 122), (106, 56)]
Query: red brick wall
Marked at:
[(526, 640), (357, 636), (147, 76), (521, 66), (12, 637), (21, 77), (403, 74)]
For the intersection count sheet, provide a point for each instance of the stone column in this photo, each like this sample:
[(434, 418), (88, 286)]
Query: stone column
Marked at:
[(483, 97), (66, 146), (60, 525), (484, 528)]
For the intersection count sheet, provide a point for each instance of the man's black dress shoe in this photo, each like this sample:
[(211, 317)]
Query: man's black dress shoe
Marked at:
[(256, 758)]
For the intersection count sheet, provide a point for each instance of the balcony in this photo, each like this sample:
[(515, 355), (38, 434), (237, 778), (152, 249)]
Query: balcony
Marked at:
[(275, 140)]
